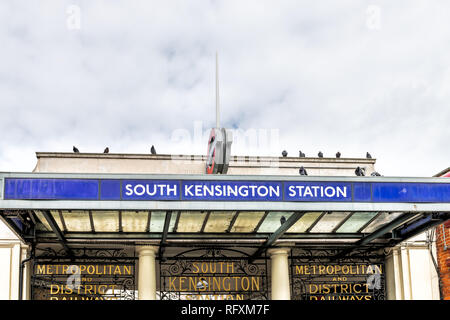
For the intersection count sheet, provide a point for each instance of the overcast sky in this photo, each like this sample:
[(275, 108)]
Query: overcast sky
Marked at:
[(348, 76)]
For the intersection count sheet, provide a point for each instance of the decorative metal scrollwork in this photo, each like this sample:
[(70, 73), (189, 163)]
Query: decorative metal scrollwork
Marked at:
[(213, 274)]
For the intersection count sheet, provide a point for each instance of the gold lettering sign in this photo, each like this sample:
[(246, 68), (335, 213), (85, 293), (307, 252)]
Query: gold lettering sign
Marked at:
[(213, 280), (89, 281), (89, 269), (333, 281)]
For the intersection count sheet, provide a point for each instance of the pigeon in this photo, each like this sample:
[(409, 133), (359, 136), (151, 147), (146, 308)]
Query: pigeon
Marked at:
[(106, 150), (360, 172), (284, 153), (75, 149), (153, 150), (368, 156), (375, 174), (320, 154), (282, 219), (338, 154), (301, 154), (302, 171)]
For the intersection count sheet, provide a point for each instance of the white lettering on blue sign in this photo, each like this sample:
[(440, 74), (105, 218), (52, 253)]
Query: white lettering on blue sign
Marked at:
[(151, 189), (231, 191), (317, 191)]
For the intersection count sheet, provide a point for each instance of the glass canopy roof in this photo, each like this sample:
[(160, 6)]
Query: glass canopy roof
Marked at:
[(213, 221)]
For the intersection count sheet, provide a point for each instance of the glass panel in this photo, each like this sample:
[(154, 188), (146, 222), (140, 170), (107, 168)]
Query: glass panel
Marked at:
[(384, 218), (304, 222), (44, 223), (356, 221), (272, 222), (106, 221), (57, 218), (77, 220), (247, 221), (173, 220), (157, 221), (40, 226), (329, 221), (219, 221), (191, 221), (134, 221)]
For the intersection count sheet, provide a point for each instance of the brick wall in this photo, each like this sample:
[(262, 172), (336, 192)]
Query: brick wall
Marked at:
[(443, 257)]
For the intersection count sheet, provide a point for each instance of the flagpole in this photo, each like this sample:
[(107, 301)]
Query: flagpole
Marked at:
[(217, 92)]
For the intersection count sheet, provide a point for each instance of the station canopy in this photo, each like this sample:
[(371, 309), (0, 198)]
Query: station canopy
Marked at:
[(263, 211)]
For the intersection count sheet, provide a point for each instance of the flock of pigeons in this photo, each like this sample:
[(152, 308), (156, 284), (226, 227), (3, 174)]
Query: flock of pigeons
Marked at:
[(320, 154), (152, 150), (302, 171)]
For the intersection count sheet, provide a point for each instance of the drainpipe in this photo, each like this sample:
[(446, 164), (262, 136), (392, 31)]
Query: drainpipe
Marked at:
[(22, 266)]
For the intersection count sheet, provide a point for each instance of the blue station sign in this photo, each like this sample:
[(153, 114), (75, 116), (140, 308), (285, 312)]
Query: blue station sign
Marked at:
[(223, 190)]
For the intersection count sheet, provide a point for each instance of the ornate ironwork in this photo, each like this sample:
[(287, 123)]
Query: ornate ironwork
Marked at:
[(213, 274), (316, 275), (90, 274)]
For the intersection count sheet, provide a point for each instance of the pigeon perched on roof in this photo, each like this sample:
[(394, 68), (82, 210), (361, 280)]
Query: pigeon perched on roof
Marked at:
[(75, 149), (302, 171), (368, 156), (360, 172), (106, 150), (301, 154), (282, 219), (375, 174), (284, 153), (320, 154), (153, 150), (338, 154)]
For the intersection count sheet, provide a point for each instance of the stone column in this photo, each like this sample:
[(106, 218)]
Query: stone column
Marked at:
[(147, 272), (279, 264)]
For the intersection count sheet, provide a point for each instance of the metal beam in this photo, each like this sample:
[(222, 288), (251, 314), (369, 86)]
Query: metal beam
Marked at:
[(315, 222), (120, 221), (261, 221), (404, 218), (149, 219), (13, 227), (136, 205), (417, 227), (196, 235), (369, 222), (164, 234), (63, 222), (205, 221), (54, 226), (277, 234), (91, 220), (336, 228), (175, 227), (233, 220)]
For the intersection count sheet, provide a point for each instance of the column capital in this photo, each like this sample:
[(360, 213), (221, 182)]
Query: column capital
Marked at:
[(147, 250), (278, 251)]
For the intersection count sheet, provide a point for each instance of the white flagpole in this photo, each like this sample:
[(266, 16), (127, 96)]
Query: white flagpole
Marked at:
[(217, 92)]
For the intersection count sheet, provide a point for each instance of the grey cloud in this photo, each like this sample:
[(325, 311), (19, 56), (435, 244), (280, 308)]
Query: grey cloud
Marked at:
[(136, 71)]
